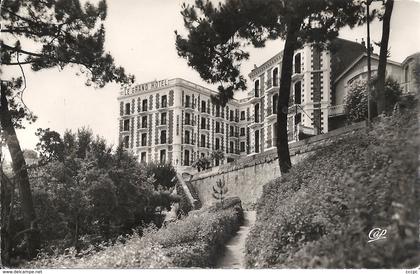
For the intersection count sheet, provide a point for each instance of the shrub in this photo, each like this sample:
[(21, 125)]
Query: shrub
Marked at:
[(320, 214), (356, 99), (195, 241)]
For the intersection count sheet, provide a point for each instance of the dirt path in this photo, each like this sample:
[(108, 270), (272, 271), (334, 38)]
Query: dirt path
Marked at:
[(235, 248)]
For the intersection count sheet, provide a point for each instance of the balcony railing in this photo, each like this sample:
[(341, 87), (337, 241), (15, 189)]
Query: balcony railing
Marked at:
[(337, 110)]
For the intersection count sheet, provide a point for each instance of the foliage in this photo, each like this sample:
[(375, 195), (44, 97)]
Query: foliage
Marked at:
[(85, 194), (164, 174), (217, 155), (47, 34), (320, 214), (201, 163), (356, 99), (195, 241), (218, 35), (218, 38), (220, 191), (356, 102)]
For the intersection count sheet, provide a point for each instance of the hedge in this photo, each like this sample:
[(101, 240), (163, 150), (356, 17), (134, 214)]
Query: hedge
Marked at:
[(195, 241), (320, 214)]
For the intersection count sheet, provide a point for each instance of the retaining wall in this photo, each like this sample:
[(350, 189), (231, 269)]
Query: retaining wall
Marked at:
[(246, 177)]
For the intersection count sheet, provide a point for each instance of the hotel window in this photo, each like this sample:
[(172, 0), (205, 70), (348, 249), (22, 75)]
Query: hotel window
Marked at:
[(144, 122), (163, 137), (298, 118), (144, 105), (231, 115), (275, 102), (242, 115), (187, 119), (257, 141), (217, 127), (163, 118), (298, 93), (186, 157), (297, 63), (203, 140), (242, 131), (257, 113), (187, 137), (275, 77), (231, 147), (163, 156), (203, 106), (164, 101), (231, 130), (217, 144), (126, 124), (127, 109), (217, 111), (203, 123), (257, 88), (242, 146), (126, 141), (144, 139), (187, 101), (143, 157)]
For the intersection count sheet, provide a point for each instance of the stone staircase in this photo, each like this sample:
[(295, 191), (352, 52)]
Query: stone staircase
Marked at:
[(186, 190)]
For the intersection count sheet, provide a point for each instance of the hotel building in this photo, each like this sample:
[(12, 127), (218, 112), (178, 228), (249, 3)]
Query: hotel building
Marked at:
[(175, 121)]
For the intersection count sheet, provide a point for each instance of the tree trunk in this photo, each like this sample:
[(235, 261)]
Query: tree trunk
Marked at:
[(284, 94), (21, 175), (380, 84), (6, 239)]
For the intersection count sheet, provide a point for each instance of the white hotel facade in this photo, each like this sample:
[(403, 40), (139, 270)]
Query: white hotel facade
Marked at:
[(175, 121)]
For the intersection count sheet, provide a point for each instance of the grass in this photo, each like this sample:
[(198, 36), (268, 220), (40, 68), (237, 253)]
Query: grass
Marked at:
[(320, 214)]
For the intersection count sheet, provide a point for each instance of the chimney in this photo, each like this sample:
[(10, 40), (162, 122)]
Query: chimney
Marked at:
[(363, 43)]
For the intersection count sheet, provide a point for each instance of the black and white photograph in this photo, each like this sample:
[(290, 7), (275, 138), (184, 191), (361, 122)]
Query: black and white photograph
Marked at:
[(171, 135)]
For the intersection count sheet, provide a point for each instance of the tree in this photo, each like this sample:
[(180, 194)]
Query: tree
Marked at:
[(217, 155), (45, 34), (201, 163), (383, 54), (220, 191), (163, 175), (217, 37)]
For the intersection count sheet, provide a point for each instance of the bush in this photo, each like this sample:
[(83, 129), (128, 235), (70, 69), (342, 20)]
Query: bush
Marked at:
[(195, 241), (356, 99), (320, 214)]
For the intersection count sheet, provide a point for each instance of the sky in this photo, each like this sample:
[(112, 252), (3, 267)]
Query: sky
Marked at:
[(140, 36)]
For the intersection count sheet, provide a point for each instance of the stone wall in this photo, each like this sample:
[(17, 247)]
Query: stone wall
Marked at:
[(246, 177)]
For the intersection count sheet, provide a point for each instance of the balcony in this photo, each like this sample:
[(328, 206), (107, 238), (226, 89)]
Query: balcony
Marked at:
[(233, 135), (189, 142), (294, 108), (271, 115), (336, 110), (271, 88), (205, 111), (297, 76), (255, 122)]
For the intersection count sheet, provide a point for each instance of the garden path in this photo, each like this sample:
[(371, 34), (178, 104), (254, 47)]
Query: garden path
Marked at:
[(234, 256)]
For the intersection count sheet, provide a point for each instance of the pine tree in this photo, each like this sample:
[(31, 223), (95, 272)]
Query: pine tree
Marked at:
[(383, 54), (47, 34), (218, 35), (220, 191)]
